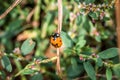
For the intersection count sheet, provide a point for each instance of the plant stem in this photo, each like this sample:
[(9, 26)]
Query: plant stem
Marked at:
[(60, 14), (19, 67), (15, 3), (33, 63), (117, 10)]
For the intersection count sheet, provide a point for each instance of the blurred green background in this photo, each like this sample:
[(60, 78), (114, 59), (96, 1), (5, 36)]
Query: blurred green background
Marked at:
[(37, 19)]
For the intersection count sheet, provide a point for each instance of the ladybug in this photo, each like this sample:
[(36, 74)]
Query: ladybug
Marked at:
[(56, 40)]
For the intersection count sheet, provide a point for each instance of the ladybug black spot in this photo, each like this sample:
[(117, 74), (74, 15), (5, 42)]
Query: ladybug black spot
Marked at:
[(56, 45)]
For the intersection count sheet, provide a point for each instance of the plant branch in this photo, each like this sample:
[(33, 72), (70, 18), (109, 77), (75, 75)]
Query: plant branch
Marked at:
[(15, 3), (35, 63), (60, 14), (117, 11)]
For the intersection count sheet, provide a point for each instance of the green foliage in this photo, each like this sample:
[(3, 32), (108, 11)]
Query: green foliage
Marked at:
[(80, 43), (93, 15), (79, 20), (27, 46), (75, 68), (37, 76), (88, 36), (67, 41), (109, 53), (89, 1), (90, 70), (6, 63), (3, 75), (116, 69), (109, 74), (12, 29), (99, 62), (28, 72)]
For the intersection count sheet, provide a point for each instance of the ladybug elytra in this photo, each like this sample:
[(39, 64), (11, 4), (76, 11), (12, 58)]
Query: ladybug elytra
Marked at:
[(56, 40)]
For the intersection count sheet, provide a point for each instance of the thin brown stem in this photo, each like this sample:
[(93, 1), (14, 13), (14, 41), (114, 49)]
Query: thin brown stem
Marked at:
[(117, 10), (58, 62), (30, 15), (60, 14), (15, 3)]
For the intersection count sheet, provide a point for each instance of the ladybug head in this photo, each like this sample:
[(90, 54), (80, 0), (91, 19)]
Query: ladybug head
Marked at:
[(56, 35)]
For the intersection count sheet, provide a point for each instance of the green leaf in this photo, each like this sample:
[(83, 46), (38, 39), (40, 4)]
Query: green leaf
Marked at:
[(106, 18), (109, 53), (6, 63), (75, 72), (80, 43), (68, 52), (12, 29), (90, 70), (78, 1), (79, 20), (99, 62), (27, 46), (37, 76), (93, 15), (28, 71), (3, 75), (2, 21), (67, 41), (74, 63), (86, 24), (89, 1), (116, 69), (108, 74), (98, 38)]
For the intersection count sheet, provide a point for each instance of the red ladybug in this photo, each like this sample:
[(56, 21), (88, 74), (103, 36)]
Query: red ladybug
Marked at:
[(56, 40)]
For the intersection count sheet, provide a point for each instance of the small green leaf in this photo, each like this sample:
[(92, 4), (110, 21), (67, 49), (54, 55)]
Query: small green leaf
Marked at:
[(116, 69), (12, 29), (90, 70), (106, 18), (89, 1), (37, 76), (79, 20), (68, 52), (80, 44), (67, 41), (109, 53), (78, 1), (75, 72), (108, 74), (86, 24), (93, 15), (6, 63), (28, 71), (3, 75), (27, 46), (98, 38), (99, 62)]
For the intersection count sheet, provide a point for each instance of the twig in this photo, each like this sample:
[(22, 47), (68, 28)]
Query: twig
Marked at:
[(59, 30), (60, 15), (58, 62), (30, 15), (27, 66), (15, 3), (117, 10)]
